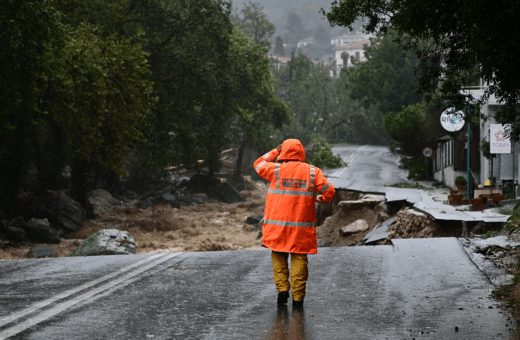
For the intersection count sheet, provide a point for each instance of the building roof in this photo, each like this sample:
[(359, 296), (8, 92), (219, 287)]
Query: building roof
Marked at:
[(357, 44), (307, 40), (280, 59), (349, 36)]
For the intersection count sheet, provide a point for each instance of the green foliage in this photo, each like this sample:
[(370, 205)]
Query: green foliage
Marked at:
[(405, 127), (454, 47), (386, 80), (102, 94), (279, 50), (460, 180), (253, 22), (26, 27), (322, 155), (490, 233), (511, 227), (417, 169), (406, 185), (502, 291), (485, 148), (322, 105)]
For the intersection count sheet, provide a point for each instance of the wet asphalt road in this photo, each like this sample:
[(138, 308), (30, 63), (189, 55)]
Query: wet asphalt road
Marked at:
[(422, 288), (370, 167)]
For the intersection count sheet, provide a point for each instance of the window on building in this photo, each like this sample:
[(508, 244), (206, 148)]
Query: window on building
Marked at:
[(357, 56)]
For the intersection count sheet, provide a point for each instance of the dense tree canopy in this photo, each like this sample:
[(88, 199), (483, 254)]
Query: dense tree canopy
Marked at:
[(323, 105), (94, 85), (253, 22), (466, 40), (386, 80)]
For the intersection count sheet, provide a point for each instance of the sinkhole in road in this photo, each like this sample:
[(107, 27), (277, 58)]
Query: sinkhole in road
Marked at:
[(352, 217)]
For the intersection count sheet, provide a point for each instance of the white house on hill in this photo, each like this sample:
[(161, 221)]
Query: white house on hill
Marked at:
[(345, 53), (305, 42), (347, 39)]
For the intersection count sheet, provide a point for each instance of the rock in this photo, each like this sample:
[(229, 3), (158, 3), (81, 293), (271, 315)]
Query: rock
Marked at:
[(106, 242), (167, 190), (354, 227), (199, 198), (16, 234), (40, 231), (350, 205), (42, 252), (483, 245), (254, 219), (144, 204), (413, 224), (323, 243), (61, 210), (17, 222), (129, 194), (3, 216), (196, 200), (379, 198), (102, 200), (170, 199), (181, 182), (228, 194), (201, 182)]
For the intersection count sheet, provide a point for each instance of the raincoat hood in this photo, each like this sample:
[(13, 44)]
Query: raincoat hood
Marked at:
[(292, 149)]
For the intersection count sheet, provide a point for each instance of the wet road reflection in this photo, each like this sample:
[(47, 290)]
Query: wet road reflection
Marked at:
[(287, 327)]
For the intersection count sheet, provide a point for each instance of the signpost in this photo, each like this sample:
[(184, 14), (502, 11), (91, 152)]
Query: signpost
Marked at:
[(499, 143), (453, 121), (427, 153)]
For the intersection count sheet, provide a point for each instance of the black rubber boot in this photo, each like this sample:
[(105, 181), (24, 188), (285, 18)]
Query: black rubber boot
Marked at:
[(297, 304), (282, 298)]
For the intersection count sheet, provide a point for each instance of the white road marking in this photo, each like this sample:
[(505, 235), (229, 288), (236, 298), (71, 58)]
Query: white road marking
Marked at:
[(351, 159), (67, 304), (64, 294)]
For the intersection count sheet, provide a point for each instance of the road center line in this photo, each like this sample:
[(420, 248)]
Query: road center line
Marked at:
[(67, 304), (340, 171), (62, 295)]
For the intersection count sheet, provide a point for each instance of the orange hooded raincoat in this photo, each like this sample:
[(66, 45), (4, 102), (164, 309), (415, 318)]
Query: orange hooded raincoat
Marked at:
[(290, 213)]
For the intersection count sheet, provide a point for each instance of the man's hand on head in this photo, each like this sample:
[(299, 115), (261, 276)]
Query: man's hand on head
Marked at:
[(279, 148)]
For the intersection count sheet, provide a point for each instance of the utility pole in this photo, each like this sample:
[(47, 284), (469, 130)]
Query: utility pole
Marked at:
[(469, 131)]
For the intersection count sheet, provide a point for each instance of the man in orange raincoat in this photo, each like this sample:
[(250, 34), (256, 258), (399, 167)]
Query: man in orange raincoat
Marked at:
[(290, 214)]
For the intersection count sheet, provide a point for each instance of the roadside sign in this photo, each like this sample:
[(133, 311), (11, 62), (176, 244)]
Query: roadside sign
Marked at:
[(427, 152), (498, 141), (452, 120)]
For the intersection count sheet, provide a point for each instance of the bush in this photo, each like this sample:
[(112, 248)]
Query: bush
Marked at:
[(416, 168), (460, 180), (322, 155)]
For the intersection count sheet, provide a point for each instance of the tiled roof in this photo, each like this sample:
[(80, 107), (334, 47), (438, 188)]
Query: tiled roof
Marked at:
[(358, 44)]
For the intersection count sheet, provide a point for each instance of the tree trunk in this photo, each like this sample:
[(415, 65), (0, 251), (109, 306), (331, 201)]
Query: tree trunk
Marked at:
[(81, 184)]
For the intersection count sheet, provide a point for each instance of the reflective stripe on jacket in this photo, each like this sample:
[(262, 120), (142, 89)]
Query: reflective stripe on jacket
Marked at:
[(290, 213)]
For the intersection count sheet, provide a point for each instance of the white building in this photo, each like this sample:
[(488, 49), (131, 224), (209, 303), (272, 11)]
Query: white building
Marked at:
[(305, 42), (501, 168), (348, 52), (347, 39)]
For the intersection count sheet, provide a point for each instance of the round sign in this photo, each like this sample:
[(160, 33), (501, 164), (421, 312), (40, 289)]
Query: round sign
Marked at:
[(452, 120), (427, 152)]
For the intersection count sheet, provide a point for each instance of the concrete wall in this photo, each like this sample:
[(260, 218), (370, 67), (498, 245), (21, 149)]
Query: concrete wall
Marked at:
[(448, 175)]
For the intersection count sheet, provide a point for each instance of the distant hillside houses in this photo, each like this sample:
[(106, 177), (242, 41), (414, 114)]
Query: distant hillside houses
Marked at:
[(348, 39), (279, 62), (305, 42), (343, 55)]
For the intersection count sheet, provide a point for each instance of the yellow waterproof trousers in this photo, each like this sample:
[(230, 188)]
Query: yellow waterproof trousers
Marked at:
[(299, 273)]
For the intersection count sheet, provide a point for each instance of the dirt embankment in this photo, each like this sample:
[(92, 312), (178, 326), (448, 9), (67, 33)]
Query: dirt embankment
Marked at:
[(346, 208), (413, 224)]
